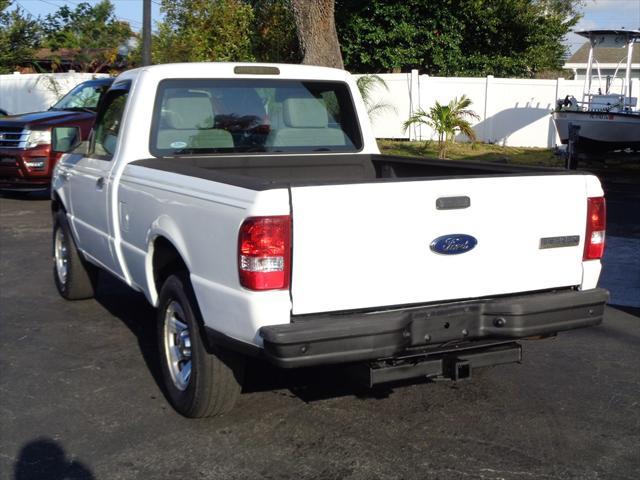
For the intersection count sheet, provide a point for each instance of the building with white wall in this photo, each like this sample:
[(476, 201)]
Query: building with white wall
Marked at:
[(608, 61)]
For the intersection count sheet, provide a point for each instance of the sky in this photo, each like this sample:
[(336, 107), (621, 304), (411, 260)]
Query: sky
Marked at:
[(128, 10), (606, 14), (596, 13)]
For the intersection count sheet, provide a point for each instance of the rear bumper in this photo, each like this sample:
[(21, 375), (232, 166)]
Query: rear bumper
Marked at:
[(341, 338)]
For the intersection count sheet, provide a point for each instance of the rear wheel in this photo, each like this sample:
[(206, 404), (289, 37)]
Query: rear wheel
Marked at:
[(198, 383), (74, 277)]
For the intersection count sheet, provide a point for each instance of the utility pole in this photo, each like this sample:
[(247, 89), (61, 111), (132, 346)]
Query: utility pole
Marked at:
[(146, 32)]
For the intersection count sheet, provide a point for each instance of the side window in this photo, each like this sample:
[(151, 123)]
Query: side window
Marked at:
[(107, 125)]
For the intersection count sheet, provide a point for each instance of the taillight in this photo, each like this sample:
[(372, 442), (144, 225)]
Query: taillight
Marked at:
[(596, 226), (264, 253)]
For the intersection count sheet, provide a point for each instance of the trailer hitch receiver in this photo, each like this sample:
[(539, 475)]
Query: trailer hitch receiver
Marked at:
[(457, 369)]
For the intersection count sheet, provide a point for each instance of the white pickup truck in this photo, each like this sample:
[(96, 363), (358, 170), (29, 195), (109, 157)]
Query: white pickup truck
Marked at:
[(249, 203)]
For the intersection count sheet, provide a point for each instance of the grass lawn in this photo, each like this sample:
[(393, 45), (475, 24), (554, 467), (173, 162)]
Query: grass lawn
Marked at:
[(478, 151), (625, 162)]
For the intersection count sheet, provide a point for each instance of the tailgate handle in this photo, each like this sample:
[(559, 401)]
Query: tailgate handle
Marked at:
[(452, 203)]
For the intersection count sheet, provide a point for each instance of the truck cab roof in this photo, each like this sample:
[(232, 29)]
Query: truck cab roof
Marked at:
[(236, 70)]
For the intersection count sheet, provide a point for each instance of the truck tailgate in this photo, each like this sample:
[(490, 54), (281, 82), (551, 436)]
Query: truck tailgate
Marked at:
[(367, 245)]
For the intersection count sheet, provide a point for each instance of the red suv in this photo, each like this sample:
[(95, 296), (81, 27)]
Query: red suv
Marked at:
[(26, 159)]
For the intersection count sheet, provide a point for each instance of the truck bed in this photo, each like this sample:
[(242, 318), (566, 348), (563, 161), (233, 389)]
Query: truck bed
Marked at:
[(276, 171), (376, 218)]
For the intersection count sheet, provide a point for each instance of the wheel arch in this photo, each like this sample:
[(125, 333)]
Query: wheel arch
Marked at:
[(163, 259), (57, 203)]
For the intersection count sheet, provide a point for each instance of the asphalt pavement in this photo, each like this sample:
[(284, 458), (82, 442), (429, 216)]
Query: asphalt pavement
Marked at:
[(79, 395)]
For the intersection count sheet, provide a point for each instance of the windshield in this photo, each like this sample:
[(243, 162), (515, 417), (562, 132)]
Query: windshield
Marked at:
[(236, 116), (84, 96)]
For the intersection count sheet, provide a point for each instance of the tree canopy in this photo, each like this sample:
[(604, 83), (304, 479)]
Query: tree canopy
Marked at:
[(86, 26), (521, 38), (455, 37), (274, 37), (19, 36), (226, 30), (93, 30), (204, 30)]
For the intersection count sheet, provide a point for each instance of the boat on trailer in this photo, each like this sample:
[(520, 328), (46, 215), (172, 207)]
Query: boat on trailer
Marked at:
[(605, 119)]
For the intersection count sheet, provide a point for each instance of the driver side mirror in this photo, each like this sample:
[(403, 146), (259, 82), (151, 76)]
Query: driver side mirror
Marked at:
[(65, 139)]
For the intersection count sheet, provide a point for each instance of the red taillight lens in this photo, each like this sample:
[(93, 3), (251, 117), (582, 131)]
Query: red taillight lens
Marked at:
[(264, 253), (596, 226)]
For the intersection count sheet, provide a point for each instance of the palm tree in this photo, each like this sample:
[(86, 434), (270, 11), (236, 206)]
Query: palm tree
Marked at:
[(366, 84), (447, 121)]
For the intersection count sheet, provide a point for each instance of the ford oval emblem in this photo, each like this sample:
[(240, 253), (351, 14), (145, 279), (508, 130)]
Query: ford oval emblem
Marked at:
[(453, 244)]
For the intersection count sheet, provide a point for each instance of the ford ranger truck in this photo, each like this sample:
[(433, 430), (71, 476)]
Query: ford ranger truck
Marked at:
[(250, 205), (26, 159)]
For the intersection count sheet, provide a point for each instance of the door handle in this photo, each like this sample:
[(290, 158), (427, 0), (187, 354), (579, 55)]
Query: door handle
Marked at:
[(100, 183)]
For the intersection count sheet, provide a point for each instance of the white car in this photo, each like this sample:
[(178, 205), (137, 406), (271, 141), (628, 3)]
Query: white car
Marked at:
[(251, 206)]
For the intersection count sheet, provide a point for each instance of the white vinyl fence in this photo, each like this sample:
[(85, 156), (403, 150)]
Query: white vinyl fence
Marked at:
[(513, 112), (37, 92)]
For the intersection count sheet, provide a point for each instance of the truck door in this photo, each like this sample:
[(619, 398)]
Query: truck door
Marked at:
[(91, 182)]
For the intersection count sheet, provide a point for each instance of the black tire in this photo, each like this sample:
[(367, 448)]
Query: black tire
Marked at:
[(80, 279), (215, 378)]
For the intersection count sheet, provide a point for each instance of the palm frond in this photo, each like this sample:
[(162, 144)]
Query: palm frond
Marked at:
[(420, 117), (466, 129), (459, 107), (446, 120), (380, 107), (366, 85)]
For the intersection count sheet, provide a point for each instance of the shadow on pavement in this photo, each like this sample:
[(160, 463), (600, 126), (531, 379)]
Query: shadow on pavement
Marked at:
[(46, 459), (635, 311), (35, 195), (308, 384), (314, 384), (136, 313)]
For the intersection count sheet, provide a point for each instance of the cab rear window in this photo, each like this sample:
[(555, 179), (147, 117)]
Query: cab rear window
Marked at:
[(240, 116)]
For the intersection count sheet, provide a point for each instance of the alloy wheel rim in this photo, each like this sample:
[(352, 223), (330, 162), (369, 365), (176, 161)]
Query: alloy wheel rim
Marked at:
[(177, 345), (61, 256)]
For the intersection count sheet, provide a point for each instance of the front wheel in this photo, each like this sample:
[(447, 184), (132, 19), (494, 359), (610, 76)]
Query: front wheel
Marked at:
[(198, 383), (74, 277)]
